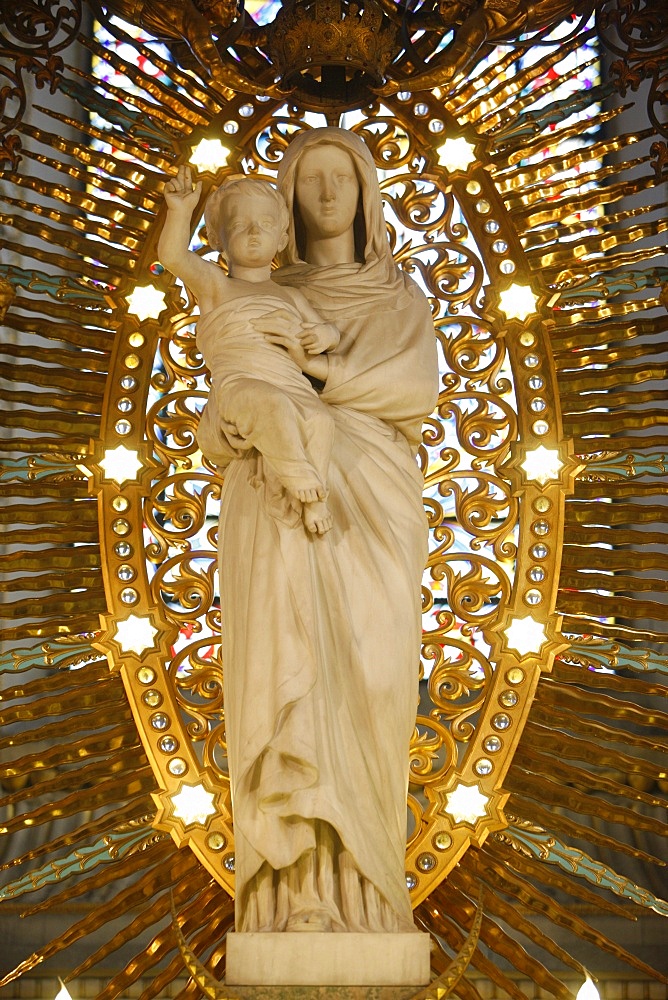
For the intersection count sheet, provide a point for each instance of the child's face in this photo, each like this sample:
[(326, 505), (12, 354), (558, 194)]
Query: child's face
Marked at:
[(251, 233)]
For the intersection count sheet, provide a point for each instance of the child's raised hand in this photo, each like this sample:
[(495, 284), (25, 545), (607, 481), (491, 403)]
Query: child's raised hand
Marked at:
[(180, 194)]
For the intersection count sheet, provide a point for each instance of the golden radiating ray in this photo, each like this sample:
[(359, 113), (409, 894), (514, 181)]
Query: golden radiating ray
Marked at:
[(180, 110), (498, 862), (183, 883), (523, 804), (88, 226), (460, 907), (132, 173), (468, 93), (515, 150), (134, 197), (164, 115), (117, 739), (507, 178), (505, 94), (445, 983), (156, 159), (202, 909)]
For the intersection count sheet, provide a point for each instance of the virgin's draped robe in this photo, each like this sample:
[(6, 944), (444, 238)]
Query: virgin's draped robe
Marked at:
[(321, 634)]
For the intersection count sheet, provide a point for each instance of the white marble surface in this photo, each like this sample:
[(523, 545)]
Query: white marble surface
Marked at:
[(322, 629), (303, 959)]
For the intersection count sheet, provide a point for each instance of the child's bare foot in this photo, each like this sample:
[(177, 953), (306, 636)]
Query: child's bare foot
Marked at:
[(310, 494), (317, 517)]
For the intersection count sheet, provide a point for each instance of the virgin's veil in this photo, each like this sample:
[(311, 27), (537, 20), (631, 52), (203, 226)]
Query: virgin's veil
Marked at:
[(371, 243)]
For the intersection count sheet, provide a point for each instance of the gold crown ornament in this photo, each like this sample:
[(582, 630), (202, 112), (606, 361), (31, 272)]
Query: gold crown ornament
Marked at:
[(331, 53)]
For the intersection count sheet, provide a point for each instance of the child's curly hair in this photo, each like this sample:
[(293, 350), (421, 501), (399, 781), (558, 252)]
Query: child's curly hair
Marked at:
[(215, 204)]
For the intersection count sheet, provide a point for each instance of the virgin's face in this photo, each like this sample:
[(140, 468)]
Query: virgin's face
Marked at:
[(327, 191)]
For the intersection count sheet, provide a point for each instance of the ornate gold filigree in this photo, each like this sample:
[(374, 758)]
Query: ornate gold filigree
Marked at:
[(635, 32)]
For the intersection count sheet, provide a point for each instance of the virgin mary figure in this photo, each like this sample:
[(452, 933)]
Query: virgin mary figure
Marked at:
[(321, 634)]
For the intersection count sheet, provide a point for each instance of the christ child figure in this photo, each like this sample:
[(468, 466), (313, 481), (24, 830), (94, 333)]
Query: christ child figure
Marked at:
[(261, 396)]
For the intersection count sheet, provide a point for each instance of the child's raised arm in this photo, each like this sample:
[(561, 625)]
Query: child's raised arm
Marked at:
[(182, 199)]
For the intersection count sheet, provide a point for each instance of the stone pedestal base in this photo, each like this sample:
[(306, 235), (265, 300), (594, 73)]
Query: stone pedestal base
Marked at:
[(318, 959)]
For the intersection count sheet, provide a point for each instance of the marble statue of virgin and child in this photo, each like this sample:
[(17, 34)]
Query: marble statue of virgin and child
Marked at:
[(323, 371)]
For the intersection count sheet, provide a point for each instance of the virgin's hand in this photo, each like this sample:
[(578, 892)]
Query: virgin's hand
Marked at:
[(293, 347), (280, 327), (180, 194)]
